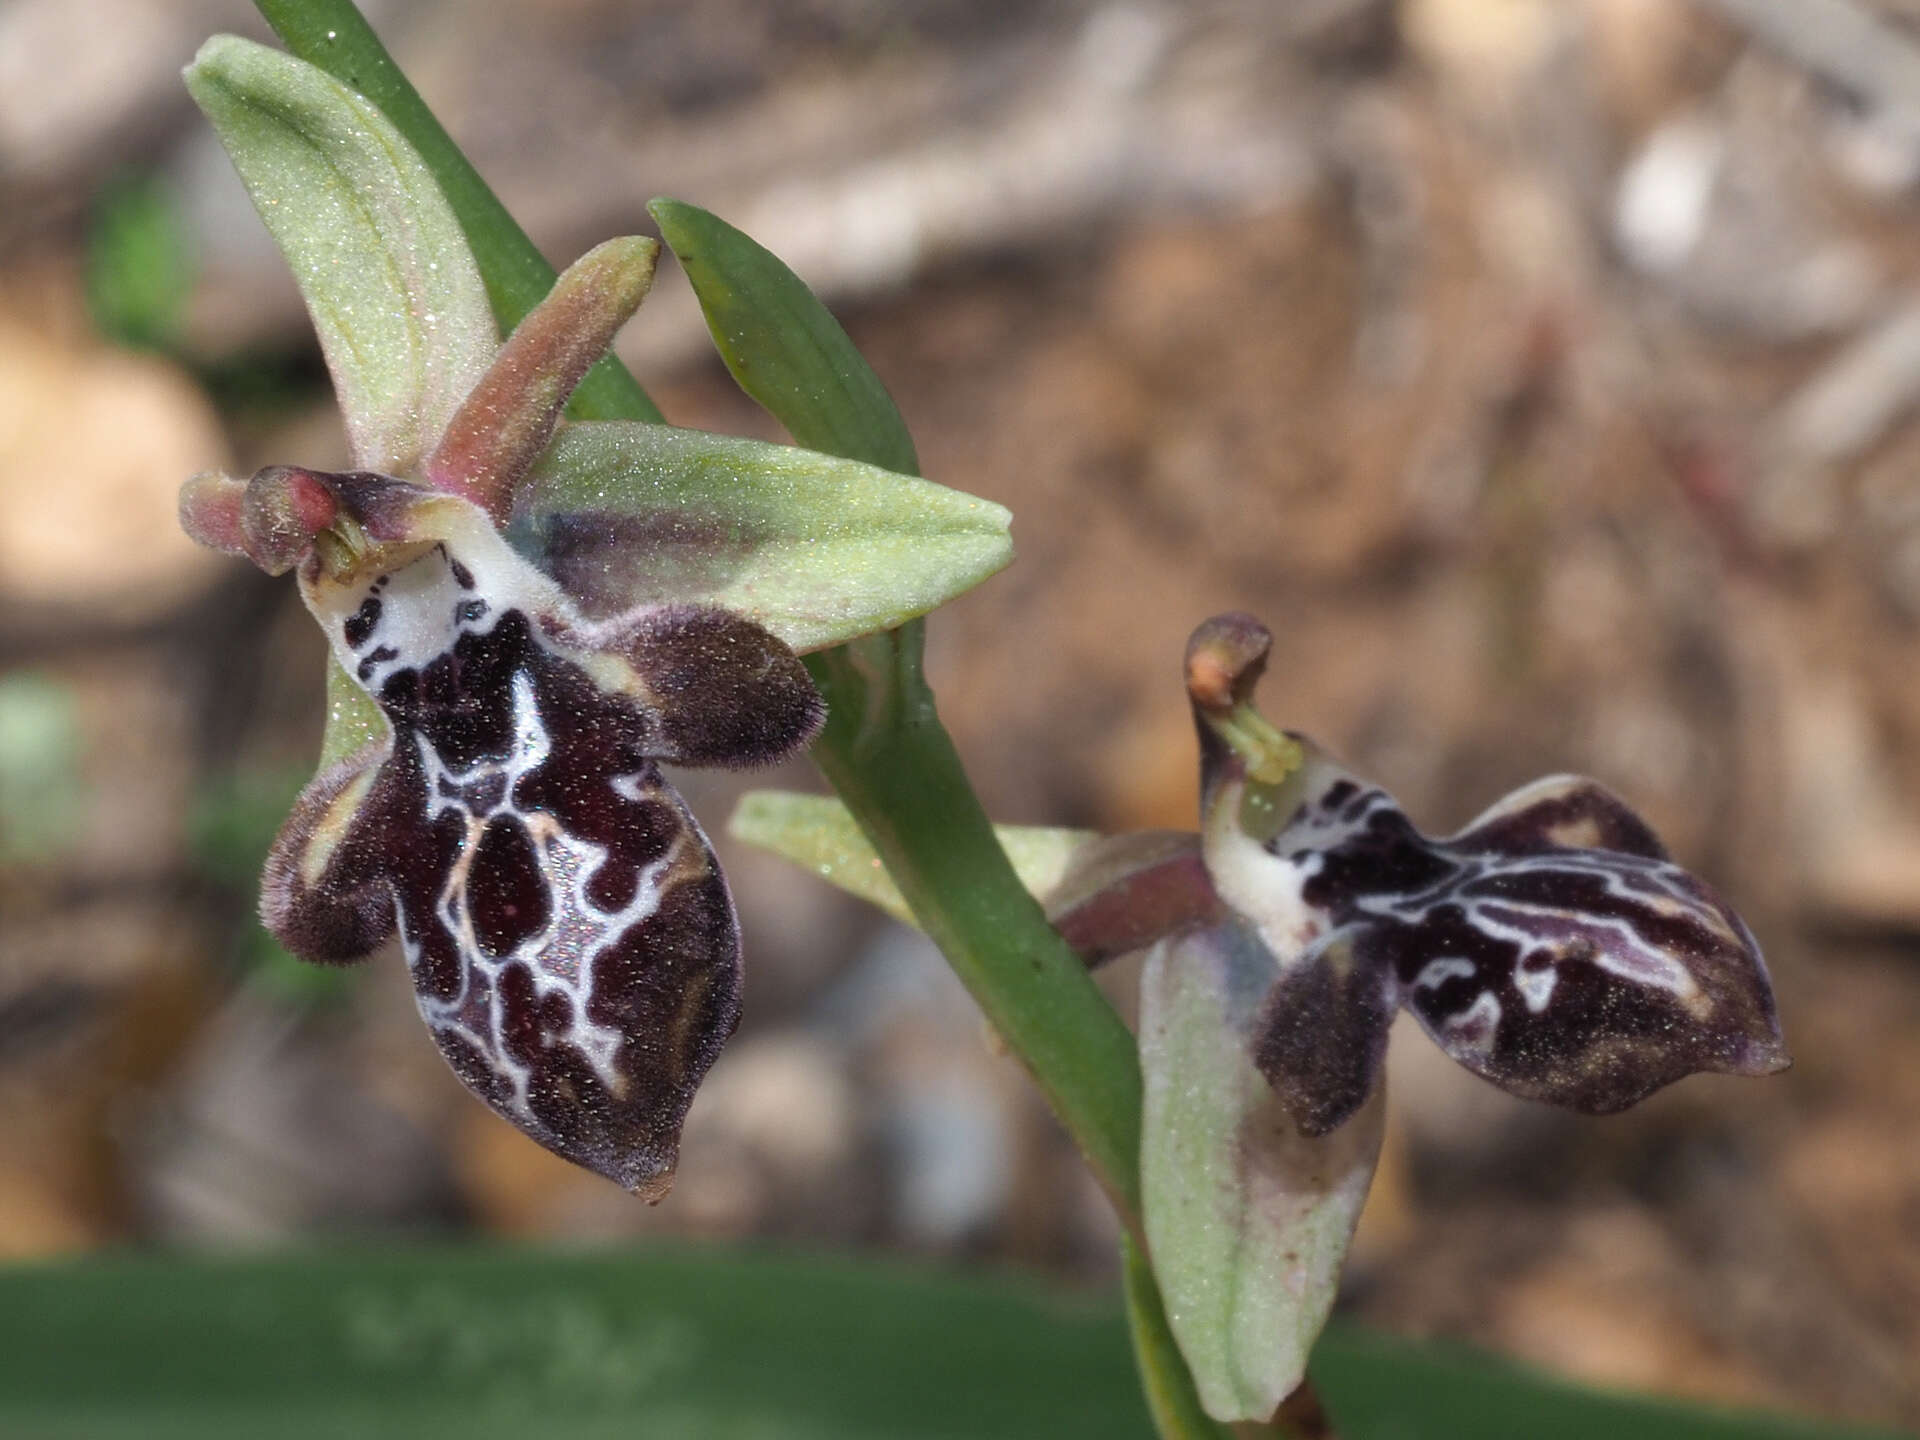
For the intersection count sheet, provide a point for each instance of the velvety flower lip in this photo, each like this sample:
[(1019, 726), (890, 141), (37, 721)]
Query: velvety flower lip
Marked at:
[(572, 943), (571, 938), (1551, 946)]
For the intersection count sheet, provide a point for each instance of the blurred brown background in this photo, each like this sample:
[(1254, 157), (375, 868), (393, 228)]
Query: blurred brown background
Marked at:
[(1544, 371)]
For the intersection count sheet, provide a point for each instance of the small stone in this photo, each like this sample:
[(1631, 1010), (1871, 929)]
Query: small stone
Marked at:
[(93, 444)]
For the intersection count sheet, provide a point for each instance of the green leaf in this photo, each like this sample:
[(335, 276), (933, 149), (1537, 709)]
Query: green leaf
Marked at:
[(818, 834), (782, 345), (381, 261), (1380, 1388), (816, 548), (139, 262), (1247, 1220), (502, 1346), (43, 795), (678, 1344)]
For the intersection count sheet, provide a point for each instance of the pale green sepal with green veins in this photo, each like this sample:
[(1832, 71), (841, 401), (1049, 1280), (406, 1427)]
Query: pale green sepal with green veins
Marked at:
[(379, 258), (817, 833), (1247, 1221), (815, 548)]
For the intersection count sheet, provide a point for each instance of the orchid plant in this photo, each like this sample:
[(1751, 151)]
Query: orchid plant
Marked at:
[(528, 612)]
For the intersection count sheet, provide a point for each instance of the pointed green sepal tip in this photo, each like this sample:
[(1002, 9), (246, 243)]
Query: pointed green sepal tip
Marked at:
[(781, 345), (379, 258)]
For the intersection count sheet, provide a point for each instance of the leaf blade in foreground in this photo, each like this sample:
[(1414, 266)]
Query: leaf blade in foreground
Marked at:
[(682, 1344)]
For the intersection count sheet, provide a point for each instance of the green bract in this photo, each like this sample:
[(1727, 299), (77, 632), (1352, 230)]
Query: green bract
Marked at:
[(781, 345), (1247, 1220)]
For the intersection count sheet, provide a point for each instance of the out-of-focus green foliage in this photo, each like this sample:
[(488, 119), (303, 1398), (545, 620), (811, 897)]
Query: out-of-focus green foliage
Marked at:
[(41, 792), (140, 264), (675, 1345), (234, 819)]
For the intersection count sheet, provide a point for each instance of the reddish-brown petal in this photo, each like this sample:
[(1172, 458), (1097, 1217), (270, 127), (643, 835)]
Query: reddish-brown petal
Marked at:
[(501, 428)]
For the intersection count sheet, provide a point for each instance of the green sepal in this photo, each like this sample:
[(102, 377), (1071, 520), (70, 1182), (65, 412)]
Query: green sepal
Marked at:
[(783, 346), (817, 833), (817, 549), (334, 35), (353, 720), (1247, 1220), (395, 296)]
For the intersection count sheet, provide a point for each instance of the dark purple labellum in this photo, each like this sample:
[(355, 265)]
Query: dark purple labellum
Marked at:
[(1588, 977), (571, 940), (1551, 946)]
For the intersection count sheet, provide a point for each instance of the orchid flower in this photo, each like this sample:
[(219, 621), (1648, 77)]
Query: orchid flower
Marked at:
[(526, 619), (1550, 947)]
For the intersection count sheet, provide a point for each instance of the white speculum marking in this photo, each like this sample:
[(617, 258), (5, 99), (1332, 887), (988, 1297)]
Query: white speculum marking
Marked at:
[(1535, 986), (1436, 973), (1476, 1026), (417, 613), (1616, 947), (560, 957)]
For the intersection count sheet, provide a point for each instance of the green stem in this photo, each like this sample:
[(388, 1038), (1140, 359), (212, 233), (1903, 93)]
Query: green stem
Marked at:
[(333, 35), (886, 753)]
